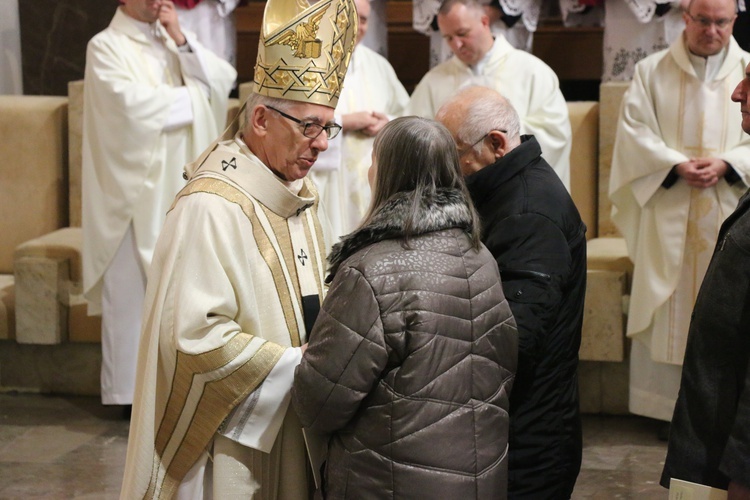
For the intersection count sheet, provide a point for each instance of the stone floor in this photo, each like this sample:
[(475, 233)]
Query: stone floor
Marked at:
[(60, 448)]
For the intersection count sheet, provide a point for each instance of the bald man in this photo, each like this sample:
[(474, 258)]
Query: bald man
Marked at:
[(534, 231), (680, 163)]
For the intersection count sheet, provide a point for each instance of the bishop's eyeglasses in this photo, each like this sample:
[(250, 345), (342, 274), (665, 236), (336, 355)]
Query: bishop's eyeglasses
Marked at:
[(312, 130)]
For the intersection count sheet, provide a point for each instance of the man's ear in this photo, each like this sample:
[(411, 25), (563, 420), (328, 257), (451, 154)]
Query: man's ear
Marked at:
[(259, 120), (499, 143)]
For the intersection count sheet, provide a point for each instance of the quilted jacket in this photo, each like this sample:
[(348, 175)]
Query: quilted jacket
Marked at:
[(411, 361)]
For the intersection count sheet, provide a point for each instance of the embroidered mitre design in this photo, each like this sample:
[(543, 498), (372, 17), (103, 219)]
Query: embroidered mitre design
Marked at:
[(304, 50)]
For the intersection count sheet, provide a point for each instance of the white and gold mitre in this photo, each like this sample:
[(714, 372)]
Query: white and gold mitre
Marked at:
[(304, 50)]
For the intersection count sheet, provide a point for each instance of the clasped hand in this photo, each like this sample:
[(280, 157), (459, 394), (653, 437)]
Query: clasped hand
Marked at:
[(368, 123), (702, 172)]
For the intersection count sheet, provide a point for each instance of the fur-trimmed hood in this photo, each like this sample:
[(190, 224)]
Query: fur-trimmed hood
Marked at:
[(447, 209)]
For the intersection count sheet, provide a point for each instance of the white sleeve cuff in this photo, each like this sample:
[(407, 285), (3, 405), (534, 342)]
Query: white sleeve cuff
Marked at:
[(181, 112), (256, 421)]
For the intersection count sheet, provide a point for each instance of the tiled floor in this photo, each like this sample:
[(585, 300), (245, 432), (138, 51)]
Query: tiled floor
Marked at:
[(59, 448)]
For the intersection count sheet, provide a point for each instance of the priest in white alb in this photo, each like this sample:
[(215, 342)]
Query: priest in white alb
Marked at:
[(237, 280), (154, 99), (679, 166), (483, 59), (372, 96), (516, 20)]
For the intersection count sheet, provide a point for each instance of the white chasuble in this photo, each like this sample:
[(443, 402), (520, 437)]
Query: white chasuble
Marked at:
[(227, 308), (136, 138), (703, 123), (668, 116), (340, 174)]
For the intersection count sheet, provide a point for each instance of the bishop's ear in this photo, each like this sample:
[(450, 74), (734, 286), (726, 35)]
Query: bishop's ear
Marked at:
[(259, 119)]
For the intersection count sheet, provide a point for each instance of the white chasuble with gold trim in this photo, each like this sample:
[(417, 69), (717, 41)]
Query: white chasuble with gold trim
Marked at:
[(234, 267), (668, 116)]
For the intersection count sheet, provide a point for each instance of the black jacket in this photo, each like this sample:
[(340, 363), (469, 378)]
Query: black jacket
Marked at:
[(709, 440), (534, 231)]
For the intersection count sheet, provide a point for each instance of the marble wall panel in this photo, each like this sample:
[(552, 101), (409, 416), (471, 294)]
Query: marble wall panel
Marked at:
[(54, 35)]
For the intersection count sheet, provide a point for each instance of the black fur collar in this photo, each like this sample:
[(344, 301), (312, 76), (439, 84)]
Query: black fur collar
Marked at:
[(446, 209)]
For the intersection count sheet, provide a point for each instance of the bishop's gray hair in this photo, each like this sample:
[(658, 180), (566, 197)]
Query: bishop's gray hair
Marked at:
[(256, 99)]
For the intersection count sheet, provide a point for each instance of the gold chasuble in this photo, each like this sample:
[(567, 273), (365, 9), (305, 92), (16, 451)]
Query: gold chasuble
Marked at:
[(678, 107), (224, 309)]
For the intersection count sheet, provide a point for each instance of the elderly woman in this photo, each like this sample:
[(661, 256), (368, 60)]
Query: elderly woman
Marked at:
[(411, 361)]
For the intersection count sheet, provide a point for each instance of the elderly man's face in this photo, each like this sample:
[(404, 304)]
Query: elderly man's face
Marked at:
[(467, 33), (474, 155), (289, 153), (741, 95), (708, 26), (146, 11)]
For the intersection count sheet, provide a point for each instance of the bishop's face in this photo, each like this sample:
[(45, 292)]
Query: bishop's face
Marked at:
[(741, 95), (289, 153)]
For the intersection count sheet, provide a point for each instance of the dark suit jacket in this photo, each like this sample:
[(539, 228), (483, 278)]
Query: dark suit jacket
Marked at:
[(709, 440), (532, 228)]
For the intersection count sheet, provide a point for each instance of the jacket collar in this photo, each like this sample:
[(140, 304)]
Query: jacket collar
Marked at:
[(485, 182), (446, 209)]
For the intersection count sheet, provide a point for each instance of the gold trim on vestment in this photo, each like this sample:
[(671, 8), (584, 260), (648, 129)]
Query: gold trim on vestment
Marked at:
[(262, 240), (280, 229), (318, 243), (217, 399)]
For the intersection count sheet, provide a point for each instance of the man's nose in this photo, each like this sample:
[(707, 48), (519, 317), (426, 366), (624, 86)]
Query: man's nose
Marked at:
[(321, 142), (737, 95)]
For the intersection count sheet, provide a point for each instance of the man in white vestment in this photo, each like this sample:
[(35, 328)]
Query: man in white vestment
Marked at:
[(154, 98), (516, 20), (237, 280), (483, 59), (372, 96), (213, 23), (680, 164)]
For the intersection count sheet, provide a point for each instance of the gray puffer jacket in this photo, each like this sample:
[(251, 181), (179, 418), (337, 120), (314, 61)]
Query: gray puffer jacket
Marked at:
[(411, 361)]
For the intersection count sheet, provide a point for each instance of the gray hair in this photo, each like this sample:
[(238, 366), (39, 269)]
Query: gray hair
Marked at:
[(256, 99), (488, 111), (416, 154)]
